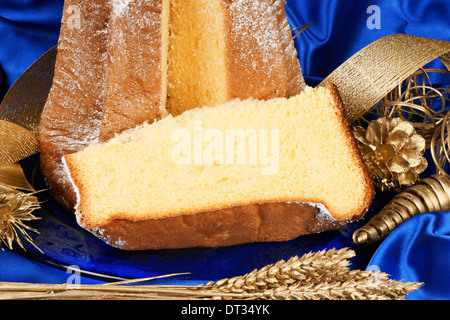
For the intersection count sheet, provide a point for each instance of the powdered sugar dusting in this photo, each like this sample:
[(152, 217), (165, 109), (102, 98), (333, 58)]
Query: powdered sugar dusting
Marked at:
[(119, 6), (102, 235), (262, 45), (323, 213), (255, 20)]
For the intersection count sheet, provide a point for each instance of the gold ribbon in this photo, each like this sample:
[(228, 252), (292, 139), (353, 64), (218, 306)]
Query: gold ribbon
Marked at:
[(26, 98), (369, 75), (20, 110), (16, 142)]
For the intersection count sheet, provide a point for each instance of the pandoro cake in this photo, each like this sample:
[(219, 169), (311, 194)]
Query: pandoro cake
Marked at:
[(240, 172), (131, 61)]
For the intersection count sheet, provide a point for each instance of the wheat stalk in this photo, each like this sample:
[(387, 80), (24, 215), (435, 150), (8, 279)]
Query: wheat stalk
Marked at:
[(314, 276), (319, 265)]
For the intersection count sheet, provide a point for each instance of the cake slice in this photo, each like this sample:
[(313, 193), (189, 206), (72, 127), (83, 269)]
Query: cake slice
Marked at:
[(221, 50), (239, 172)]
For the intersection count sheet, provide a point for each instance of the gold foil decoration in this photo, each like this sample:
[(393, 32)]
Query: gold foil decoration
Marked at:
[(417, 100), (21, 108), (392, 151), (424, 102), (366, 77), (428, 195), (14, 177), (440, 146)]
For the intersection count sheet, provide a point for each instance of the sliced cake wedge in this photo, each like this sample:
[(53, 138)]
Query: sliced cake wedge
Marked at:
[(240, 172)]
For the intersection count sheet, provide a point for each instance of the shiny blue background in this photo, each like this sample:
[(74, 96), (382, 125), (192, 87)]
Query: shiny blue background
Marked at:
[(416, 251)]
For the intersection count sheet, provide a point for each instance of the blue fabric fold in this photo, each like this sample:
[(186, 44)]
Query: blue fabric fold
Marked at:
[(28, 28), (416, 251)]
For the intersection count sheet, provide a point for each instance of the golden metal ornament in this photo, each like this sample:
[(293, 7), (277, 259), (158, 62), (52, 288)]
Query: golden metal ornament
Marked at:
[(16, 208), (428, 195), (392, 151)]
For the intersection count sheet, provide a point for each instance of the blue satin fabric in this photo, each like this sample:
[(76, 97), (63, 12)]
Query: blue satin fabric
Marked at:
[(28, 28), (416, 251), (340, 28)]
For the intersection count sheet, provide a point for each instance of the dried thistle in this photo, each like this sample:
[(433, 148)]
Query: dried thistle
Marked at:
[(16, 209), (392, 151)]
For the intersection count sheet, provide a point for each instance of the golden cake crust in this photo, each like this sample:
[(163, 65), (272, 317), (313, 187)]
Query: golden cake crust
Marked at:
[(93, 93), (263, 65), (73, 118), (72, 115), (135, 80), (220, 228)]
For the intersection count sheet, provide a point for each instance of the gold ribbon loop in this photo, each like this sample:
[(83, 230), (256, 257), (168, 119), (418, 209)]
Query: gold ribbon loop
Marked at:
[(17, 143), (365, 78)]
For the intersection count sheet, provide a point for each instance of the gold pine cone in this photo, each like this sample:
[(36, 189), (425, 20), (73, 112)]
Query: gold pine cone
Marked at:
[(393, 152)]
